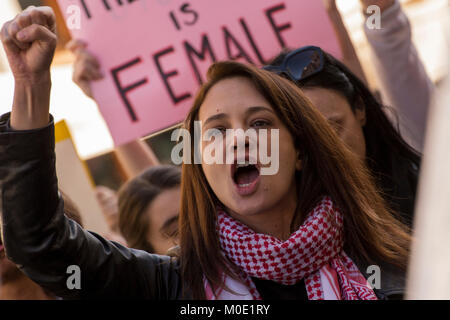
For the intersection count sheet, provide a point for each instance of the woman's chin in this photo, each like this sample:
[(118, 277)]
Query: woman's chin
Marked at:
[(247, 206)]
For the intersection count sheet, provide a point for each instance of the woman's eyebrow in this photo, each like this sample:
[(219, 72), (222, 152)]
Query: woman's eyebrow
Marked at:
[(247, 112), (257, 109), (215, 117)]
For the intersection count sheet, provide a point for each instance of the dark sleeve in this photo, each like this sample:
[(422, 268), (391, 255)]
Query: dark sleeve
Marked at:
[(43, 242)]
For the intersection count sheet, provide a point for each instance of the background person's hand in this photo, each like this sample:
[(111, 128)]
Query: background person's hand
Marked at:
[(383, 4), (29, 41), (108, 202), (86, 67)]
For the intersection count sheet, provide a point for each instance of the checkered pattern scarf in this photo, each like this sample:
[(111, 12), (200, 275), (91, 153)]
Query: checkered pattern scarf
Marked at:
[(314, 253)]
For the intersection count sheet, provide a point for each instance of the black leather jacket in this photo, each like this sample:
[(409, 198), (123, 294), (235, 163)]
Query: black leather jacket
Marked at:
[(43, 242)]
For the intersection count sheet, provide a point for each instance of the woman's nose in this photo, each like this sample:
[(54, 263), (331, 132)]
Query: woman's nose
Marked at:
[(240, 139)]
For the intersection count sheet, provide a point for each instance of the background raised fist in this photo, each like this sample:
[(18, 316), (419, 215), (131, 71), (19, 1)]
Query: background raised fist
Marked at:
[(86, 67)]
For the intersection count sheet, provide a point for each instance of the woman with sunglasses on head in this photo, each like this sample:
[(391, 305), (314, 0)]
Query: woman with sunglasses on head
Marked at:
[(403, 81), (243, 234), (359, 120)]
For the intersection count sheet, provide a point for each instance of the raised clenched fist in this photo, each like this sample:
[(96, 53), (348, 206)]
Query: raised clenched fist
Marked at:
[(30, 41)]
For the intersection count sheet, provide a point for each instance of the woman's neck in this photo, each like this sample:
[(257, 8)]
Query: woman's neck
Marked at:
[(275, 221), (276, 224)]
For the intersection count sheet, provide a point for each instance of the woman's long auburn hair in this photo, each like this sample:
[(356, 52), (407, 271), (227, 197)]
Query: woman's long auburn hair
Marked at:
[(371, 230)]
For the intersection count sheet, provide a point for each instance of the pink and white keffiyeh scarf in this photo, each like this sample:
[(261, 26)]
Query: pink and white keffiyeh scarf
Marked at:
[(314, 252)]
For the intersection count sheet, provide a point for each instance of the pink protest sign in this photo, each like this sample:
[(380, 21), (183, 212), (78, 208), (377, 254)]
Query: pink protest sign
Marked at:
[(154, 53)]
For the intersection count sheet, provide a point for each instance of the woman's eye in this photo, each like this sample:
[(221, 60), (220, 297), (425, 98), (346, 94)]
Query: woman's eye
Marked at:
[(260, 123), (172, 233), (214, 131), (222, 130)]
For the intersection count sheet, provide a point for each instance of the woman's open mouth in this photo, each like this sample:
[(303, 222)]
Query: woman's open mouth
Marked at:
[(245, 177)]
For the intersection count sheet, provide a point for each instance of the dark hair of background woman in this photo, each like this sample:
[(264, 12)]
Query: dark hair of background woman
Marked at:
[(134, 198)]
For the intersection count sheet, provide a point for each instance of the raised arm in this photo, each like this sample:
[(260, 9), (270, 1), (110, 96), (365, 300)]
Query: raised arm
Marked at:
[(36, 234), (404, 82), (349, 56)]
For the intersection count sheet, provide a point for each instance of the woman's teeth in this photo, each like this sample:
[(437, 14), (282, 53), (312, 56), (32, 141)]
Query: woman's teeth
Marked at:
[(246, 164), (243, 185)]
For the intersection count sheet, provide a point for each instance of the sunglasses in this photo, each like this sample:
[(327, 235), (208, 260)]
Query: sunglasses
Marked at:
[(300, 64)]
